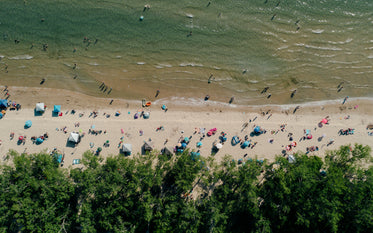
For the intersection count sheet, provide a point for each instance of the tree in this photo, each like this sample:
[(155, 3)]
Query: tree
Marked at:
[(36, 195)]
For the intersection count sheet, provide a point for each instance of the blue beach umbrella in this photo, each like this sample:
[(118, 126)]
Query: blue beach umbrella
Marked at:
[(199, 144), (28, 124), (257, 129), (183, 145), (186, 139)]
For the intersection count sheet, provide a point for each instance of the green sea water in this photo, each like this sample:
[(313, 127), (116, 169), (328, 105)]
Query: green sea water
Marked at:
[(311, 46)]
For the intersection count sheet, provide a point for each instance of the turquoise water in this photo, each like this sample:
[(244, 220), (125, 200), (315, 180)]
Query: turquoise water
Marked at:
[(246, 45)]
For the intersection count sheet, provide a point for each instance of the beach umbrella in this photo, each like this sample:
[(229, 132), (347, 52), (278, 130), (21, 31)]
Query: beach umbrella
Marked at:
[(93, 126), (308, 131), (199, 144), (219, 145), (186, 139), (20, 138), (164, 107), (183, 145), (39, 140), (257, 129), (146, 115), (99, 149), (324, 121), (179, 145), (28, 124), (57, 108)]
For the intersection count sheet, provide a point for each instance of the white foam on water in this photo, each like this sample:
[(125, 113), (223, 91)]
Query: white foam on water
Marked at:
[(93, 64), (140, 63), (318, 47), (370, 56), (21, 57), (190, 64), (317, 31)]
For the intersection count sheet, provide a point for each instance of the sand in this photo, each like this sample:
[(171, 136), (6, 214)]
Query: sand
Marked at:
[(178, 122)]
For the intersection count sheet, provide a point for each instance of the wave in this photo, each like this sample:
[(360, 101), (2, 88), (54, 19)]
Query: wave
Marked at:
[(317, 47), (317, 31), (93, 64), (141, 63), (190, 64), (21, 57)]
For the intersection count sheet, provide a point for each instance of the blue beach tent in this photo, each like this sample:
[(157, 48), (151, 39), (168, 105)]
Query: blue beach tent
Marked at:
[(57, 108), (28, 124), (3, 104), (245, 144), (39, 141)]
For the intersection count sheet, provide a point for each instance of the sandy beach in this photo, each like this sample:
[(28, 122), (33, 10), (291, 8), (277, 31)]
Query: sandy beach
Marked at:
[(168, 128)]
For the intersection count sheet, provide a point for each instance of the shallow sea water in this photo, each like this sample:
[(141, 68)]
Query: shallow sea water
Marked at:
[(246, 45)]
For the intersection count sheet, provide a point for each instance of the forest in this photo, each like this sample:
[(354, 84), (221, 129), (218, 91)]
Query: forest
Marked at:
[(184, 193)]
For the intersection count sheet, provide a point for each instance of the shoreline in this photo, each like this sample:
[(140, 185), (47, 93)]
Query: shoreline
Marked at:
[(179, 122), (186, 102)]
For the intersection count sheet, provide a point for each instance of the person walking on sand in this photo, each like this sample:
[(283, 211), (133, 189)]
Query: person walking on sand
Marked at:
[(157, 93), (74, 67), (211, 78), (345, 99)]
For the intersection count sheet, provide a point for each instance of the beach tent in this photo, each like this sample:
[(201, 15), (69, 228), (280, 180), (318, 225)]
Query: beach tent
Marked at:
[(195, 155), (291, 159), (127, 149), (235, 140), (148, 146), (245, 144), (74, 137), (28, 124), (39, 107), (57, 108), (3, 104), (167, 151), (39, 141)]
